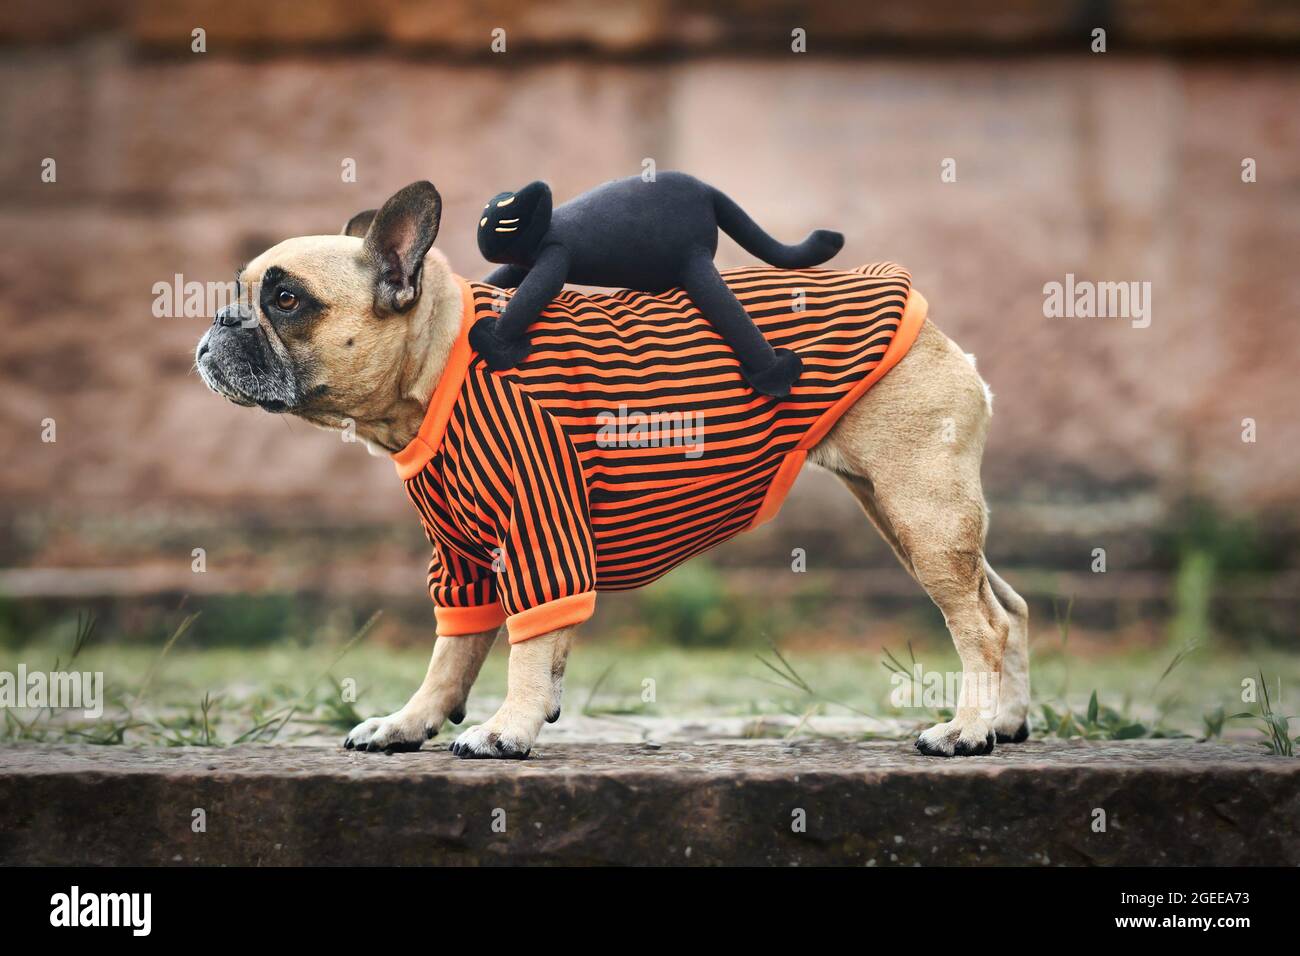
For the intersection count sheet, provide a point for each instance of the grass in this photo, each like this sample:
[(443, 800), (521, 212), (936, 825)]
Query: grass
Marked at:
[(176, 721), (1099, 721), (179, 695), (1275, 727)]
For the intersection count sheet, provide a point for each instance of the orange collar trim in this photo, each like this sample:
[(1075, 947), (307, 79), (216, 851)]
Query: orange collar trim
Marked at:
[(410, 461)]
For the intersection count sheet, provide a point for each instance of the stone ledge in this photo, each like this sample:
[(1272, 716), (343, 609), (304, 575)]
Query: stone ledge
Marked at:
[(876, 803)]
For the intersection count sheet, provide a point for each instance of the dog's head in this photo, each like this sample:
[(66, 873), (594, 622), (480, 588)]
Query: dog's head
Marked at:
[(321, 323)]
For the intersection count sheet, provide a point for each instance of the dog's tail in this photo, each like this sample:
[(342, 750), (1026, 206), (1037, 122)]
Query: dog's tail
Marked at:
[(820, 245)]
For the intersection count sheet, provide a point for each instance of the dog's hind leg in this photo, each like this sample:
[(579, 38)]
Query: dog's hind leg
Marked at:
[(1012, 722), (943, 548), (453, 667), (910, 451)]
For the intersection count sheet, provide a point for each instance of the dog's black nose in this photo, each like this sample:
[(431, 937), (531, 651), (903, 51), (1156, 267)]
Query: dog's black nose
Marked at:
[(234, 315)]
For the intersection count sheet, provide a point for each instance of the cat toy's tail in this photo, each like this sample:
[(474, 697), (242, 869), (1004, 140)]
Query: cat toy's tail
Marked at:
[(820, 245)]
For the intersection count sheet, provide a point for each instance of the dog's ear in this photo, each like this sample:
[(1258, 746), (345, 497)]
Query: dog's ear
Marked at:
[(398, 239), (359, 224)]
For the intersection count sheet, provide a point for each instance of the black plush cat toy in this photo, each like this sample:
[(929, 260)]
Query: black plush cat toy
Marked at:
[(634, 234)]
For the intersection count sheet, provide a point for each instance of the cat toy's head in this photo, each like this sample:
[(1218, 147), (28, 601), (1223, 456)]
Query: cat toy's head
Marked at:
[(513, 224)]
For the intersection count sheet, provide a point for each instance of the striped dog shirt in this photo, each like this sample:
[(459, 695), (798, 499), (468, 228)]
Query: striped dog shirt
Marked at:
[(627, 441)]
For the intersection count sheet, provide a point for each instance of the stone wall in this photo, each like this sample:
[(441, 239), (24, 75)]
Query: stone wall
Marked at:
[(1117, 167), (630, 27)]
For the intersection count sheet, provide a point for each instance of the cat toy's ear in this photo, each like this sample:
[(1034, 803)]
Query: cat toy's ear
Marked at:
[(534, 201)]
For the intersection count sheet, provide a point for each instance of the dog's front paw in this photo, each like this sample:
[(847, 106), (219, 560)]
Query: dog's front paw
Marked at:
[(494, 739), (966, 737), (483, 741), (395, 733)]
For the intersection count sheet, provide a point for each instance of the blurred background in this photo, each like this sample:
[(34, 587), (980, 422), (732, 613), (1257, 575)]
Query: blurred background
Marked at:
[(187, 137)]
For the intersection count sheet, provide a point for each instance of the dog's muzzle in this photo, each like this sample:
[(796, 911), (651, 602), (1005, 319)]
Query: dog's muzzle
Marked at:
[(236, 315), (235, 360)]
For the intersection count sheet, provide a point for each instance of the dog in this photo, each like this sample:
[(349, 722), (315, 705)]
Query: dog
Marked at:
[(368, 330)]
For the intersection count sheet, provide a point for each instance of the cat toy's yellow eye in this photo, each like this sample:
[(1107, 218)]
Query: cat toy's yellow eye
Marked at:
[(483, 221), (505, 202)]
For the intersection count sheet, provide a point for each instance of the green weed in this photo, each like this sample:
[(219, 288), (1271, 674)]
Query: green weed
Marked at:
[(1275, 727)]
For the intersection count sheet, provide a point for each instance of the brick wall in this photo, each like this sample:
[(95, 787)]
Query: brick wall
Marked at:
[(1119, 167)]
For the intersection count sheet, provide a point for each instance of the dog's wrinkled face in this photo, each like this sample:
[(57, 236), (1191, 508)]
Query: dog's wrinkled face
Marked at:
[(296, 300), (319, 319)]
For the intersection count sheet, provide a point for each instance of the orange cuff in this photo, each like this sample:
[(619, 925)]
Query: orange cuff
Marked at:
[(459, 621), (551, 616)]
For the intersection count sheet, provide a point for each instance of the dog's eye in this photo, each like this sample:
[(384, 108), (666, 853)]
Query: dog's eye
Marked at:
[(286, 300)]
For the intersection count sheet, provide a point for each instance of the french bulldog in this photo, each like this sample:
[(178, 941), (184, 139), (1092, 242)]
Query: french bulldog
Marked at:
[(362, 328)]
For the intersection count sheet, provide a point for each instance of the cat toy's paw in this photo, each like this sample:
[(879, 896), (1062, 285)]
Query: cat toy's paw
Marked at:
[(778, 378), (500, 354)]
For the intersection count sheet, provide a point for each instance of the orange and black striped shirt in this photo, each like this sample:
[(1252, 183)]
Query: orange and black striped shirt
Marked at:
[(627, 441)]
